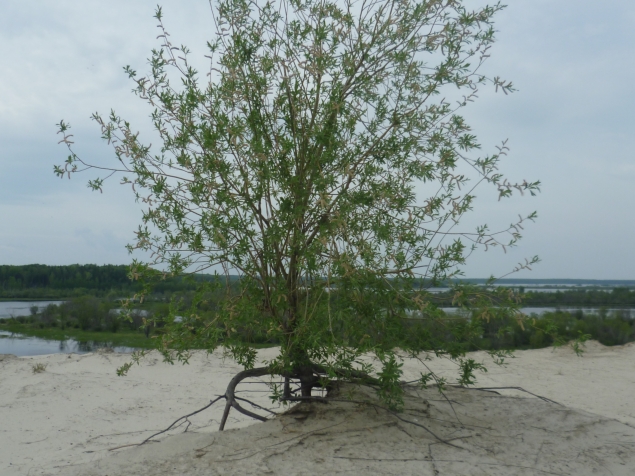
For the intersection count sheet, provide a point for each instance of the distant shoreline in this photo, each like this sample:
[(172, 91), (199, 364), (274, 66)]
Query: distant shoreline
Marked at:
[(554, 282)]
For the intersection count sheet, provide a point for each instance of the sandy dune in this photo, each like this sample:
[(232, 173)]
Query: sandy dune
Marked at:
[(67, 419)]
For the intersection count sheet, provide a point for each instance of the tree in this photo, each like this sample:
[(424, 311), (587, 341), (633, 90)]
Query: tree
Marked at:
[(319, 161)]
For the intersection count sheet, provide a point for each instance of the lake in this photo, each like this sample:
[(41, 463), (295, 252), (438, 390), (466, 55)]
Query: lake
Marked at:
[(629, 313), (22, 308), (22, 346), (539, 311), (540, 289)]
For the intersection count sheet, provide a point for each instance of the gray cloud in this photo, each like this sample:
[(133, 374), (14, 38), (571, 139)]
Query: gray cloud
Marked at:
[(569, 125)]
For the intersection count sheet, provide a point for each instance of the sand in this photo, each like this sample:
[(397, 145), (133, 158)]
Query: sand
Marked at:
[(68, 420)]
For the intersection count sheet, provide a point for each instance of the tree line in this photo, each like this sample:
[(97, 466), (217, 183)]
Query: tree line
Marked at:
[(620, 297), (617, 297), (43, 281), (88, 276)]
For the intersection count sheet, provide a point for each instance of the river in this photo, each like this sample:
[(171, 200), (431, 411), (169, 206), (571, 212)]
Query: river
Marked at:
[(539, 311), (22, 346), (22, 308)]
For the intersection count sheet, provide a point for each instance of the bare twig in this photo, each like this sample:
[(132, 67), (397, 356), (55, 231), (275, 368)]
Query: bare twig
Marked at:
[(255, 405), (185, 418), (488, 389)]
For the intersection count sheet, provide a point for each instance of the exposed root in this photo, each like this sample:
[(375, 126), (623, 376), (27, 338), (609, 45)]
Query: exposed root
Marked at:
[(181, 419), (231, 397), (315, 377), (185, 417), (492, 389), (311, 381), (374, 405), (255, 405)]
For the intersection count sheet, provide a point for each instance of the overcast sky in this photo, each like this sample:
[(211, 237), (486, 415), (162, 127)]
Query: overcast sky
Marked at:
[(571, 125)]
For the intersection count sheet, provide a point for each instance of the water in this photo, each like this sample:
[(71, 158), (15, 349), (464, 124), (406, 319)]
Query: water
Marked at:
[(136, 312), (538, 289), (539, 311), (22, 308), (21, 346), (629, 313)]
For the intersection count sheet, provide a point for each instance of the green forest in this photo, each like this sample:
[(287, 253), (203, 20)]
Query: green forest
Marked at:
[(620, 297), (38, 281), (86, 276), (616, 297)]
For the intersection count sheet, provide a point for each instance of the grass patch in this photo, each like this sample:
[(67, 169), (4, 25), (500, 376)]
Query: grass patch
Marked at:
[(38, 368)]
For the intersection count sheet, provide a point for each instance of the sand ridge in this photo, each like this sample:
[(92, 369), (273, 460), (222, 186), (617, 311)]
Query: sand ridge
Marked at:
[(77, 409), (485, 434)]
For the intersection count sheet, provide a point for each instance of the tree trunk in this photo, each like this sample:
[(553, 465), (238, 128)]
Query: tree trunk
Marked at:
[(307, 381)]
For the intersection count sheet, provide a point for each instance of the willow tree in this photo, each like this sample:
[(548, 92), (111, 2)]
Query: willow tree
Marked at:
[(322, 161)]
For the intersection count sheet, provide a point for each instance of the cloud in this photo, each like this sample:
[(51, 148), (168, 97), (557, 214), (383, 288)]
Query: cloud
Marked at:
[(68, 228), (569, 125)]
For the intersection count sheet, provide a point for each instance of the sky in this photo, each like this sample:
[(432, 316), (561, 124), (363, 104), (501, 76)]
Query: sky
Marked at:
[(570, 125)]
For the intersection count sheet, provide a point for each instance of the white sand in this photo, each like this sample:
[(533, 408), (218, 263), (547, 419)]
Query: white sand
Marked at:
[(78, 409)]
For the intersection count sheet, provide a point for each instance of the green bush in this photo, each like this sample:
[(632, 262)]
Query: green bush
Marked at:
[(89, 313), (535, 332)]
